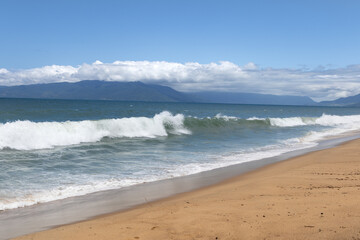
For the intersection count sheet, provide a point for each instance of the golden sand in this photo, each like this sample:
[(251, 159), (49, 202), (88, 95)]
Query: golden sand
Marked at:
[(315, 196)]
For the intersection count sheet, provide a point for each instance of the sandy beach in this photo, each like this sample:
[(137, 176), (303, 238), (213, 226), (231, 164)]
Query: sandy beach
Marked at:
[(314, 196)]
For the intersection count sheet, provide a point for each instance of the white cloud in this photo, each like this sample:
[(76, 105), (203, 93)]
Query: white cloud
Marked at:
[(3, 71), (320, 83)]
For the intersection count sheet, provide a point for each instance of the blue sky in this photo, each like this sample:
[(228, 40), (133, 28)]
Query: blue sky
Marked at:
[(269, 33), (266, 46)]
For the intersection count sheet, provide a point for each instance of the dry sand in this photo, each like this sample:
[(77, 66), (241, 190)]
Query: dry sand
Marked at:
[(315, 196)]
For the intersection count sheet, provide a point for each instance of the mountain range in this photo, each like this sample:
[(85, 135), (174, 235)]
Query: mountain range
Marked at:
[(352, 101), (139, 91), (95, 90)]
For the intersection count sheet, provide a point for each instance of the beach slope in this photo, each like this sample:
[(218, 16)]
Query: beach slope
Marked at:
[(314, 196)]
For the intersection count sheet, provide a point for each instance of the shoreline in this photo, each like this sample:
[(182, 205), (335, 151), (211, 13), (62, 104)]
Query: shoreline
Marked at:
[(180, 186)]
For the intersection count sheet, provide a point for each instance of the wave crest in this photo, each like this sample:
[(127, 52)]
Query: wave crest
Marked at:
[(324, 120), (223, 120), (27, 135)]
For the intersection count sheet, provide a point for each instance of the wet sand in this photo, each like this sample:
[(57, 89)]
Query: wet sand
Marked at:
[(314, 196)]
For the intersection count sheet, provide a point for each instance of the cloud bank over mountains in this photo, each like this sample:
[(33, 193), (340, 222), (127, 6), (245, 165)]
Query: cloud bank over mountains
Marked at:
[(319, 84)]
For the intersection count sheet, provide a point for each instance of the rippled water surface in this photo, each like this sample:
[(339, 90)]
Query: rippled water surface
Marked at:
[(53, 149)]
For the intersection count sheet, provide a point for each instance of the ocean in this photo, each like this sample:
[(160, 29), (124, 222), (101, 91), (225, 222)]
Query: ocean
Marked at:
[(56, 149)]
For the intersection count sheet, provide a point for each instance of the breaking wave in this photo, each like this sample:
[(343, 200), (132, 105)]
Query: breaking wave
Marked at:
[(223, 120), (28, 135)]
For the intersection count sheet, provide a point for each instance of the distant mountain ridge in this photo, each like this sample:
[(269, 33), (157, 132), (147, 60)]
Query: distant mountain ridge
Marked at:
[(96, 90), (352, 101), (138, 91)]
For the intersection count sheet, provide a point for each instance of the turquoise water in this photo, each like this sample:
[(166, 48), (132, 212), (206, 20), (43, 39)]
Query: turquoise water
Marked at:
[(54, 149)]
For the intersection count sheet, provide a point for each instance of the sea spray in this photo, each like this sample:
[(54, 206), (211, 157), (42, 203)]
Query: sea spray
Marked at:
[(27, 135)]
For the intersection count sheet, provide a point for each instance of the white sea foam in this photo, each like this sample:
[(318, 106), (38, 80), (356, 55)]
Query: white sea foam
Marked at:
[(27, 135), (248, 155), (287, 122), (350, 122), (337, 125), (63, 192), (256, 118), (253, 154), (324, 120), (31, 135), (224, 117)]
